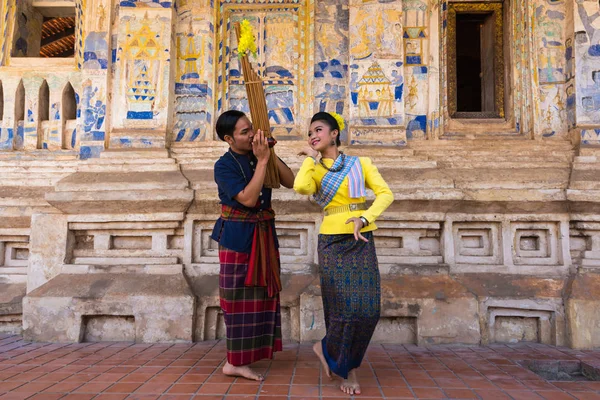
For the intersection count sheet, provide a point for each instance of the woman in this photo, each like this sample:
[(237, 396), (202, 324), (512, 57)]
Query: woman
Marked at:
[(249, 279), (347, 260)]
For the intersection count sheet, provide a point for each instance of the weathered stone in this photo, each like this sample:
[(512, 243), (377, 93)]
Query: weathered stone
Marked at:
[(582, 307), (162, 307), (510, 304), (47, 256)]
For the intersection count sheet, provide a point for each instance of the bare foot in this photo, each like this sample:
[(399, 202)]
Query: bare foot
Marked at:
[(318, 349), (244, 372), (350, 385)]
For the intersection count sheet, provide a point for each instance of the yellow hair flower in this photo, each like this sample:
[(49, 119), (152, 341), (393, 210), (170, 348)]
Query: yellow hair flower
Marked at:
[(339, 120), (246, 43)]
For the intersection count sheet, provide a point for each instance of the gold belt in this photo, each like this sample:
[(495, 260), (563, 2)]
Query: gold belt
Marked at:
[(346, 208)]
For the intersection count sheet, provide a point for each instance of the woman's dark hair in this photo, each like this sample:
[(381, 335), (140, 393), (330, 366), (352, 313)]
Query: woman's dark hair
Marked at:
[(330, 121), (226, 123)]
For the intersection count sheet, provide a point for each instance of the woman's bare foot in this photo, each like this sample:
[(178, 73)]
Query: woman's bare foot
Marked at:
[(244, 372), (350, 385), (318, 349)]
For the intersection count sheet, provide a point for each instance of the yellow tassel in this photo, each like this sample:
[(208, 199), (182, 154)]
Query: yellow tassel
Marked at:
[(339, 120), (247, 42)]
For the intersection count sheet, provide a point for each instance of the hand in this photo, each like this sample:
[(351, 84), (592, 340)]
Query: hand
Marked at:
[(260, 147), (309, 151), (358, 225)]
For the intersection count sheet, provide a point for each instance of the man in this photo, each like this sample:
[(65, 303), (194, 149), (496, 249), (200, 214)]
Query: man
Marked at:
[(249, 279)]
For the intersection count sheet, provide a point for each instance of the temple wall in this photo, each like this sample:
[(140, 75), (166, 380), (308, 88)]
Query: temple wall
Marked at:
[(107, 196)]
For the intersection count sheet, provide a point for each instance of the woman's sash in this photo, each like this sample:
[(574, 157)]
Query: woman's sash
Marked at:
[(332, 180)]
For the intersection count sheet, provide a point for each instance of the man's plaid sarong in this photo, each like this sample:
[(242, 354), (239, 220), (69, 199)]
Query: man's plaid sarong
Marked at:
[(252, 318)]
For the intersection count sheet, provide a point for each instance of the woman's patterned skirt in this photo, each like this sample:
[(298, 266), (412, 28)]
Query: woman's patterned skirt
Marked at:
[(350, 286)]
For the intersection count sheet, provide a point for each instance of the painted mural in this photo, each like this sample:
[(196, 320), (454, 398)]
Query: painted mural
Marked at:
[(376, 70), (194, 72), (143, 68), (331, 84), (168, 68), (416, 21), (552, 67), (587, 49), (280, 61)]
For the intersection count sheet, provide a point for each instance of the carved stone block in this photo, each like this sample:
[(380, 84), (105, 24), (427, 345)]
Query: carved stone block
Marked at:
[(536, 243), (477, 242), (408, 242)]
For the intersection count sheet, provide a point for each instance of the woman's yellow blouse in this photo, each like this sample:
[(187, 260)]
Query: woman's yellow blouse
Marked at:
[(308, 181)]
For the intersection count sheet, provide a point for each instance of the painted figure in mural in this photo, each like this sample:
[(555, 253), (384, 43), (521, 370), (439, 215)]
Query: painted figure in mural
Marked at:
[(398, 82), (249, 279), (280, 105), (350, 282), (354, 87)]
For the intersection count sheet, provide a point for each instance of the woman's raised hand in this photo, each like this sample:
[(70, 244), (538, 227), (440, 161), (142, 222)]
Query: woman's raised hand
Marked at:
[(309, 151)]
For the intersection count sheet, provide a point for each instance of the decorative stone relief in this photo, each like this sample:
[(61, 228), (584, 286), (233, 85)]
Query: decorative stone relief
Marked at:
[(408, 242), (536, 243), (204, 250), (14, 254), (477, 242), (127, 246), (296, 244), (585, 240), (509, 325)]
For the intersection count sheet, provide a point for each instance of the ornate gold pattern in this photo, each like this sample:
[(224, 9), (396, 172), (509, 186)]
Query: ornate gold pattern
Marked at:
[(470, 7)]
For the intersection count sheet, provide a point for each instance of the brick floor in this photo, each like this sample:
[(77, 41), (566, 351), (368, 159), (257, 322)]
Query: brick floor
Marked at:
[(109, 371)]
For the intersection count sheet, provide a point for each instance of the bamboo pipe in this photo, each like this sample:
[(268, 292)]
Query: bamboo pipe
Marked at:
[(258, 111)]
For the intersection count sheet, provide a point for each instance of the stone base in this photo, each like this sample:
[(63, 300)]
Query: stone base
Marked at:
[(418, 310), (583, 311), (110, 307), (515, 308)]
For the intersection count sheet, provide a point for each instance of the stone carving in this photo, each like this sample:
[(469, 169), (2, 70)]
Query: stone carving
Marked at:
[(477, 243)]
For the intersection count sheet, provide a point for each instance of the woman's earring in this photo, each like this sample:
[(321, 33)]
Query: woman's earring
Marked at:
[(332, 142)]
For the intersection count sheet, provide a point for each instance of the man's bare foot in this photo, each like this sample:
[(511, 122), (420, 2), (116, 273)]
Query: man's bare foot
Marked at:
[(350, 385), (318, 349), (244, 372)]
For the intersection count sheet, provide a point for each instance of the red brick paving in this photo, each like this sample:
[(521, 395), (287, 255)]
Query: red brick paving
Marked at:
[(107, 371)]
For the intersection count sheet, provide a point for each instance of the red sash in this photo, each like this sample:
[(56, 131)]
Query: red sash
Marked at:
[(263, 267)]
